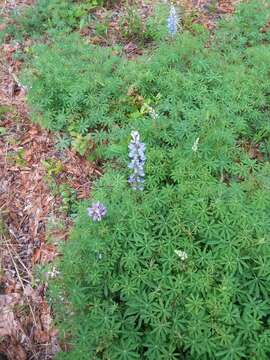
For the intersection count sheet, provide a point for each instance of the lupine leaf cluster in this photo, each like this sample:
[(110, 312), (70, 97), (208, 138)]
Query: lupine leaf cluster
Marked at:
[(49, 17), (83, 87), (181, 269)]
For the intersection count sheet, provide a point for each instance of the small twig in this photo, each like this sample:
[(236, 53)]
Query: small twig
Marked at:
[(27, 299), (14, 76), (18, 257), (21, 282), (16, 80)]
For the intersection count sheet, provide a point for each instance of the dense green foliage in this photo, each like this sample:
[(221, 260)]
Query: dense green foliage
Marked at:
[(49, 17), (81, 78), (154, 29), (126, 294)]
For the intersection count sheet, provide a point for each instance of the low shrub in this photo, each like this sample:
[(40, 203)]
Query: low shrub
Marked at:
[(50, 17), (181, 269), (150, 30), (84, 89)]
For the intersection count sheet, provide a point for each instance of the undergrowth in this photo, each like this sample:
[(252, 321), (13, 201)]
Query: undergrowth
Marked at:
[(50, 17), (201, 105)]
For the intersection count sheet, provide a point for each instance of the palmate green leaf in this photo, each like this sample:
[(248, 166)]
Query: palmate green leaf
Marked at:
[(125, 350), (158, 349), (233, 352), (199, 342), (250, 326), (260, 346)]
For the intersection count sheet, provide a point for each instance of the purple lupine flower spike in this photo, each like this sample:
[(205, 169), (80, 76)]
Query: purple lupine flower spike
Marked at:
[(172, 21), (97, 211), (137, 156)]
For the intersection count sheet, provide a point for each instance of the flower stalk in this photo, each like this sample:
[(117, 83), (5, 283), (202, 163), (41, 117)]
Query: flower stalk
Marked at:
[(137, 161), (172, 21)]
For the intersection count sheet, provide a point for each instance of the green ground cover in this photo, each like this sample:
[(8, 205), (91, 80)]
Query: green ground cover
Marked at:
[(181, 269)]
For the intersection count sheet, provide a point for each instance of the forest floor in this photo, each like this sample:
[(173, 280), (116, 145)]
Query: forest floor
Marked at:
[(29, 210)]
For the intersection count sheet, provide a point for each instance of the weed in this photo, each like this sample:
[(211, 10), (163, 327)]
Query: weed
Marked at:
[(3, 131), (3, 227), (4, 109), (62, 142), (81, 143), (69, 199), (17, 158), (156, 24), (55, 225), (102, 27), (53, 167), (131, 25), (64, 191), (153, 29)]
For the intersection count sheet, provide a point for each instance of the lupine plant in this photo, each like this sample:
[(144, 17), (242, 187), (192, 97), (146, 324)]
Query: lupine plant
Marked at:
[(51, 17), (180, 270), (172, 21), (97, 211), (137, 161)]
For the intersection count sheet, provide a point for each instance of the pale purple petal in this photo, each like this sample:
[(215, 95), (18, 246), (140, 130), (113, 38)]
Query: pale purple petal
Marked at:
[(97, 211), (137, 156)]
